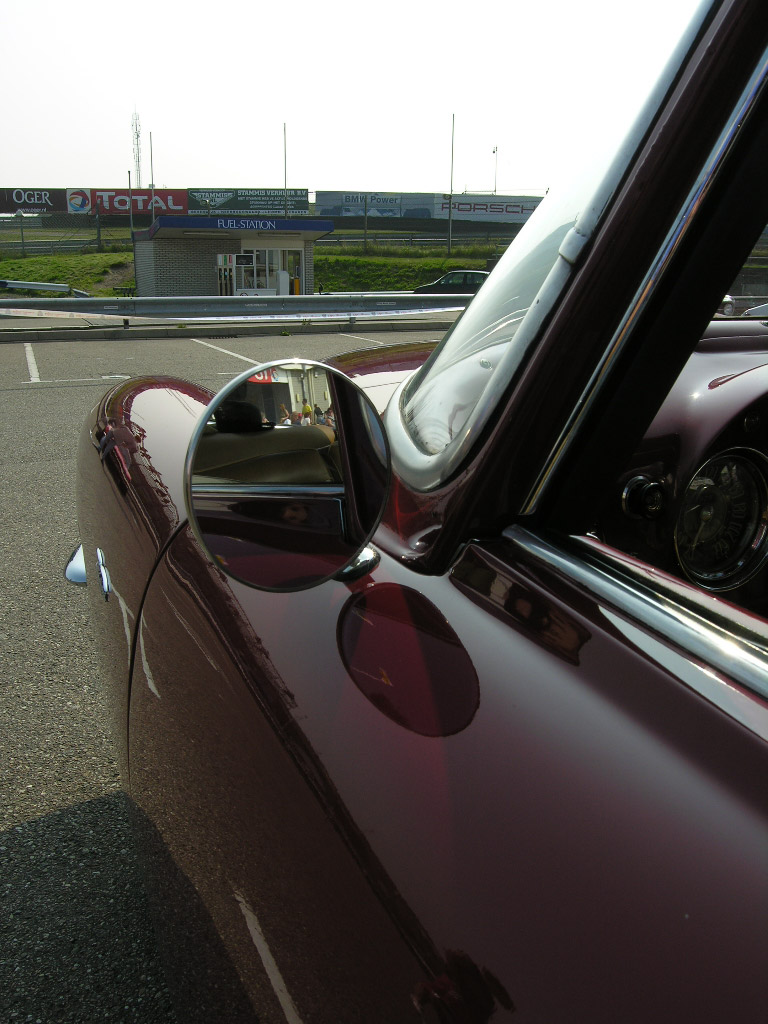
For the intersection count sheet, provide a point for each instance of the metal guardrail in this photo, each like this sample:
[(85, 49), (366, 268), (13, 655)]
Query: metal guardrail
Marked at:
[(43, 286), (338, 305), (501, 240)]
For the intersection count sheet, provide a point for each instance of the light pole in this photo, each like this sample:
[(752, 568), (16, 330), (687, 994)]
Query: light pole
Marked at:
[(152, 174), (285, 170), (20, 215), (450, 197), (495, 167)]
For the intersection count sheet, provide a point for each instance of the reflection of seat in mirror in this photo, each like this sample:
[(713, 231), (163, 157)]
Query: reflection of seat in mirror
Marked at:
[(239, 417), (233, 451)]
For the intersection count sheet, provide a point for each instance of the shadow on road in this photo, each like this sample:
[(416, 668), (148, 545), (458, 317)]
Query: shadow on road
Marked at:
[(76, 942)]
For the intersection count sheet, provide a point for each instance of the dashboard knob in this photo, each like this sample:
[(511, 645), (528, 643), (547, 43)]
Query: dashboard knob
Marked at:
[(643, 498)]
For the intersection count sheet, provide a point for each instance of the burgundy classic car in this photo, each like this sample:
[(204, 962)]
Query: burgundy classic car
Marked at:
[(457, 710)]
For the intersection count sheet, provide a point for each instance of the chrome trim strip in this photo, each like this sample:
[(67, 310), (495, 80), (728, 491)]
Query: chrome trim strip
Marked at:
[(106, 579), (269, 490), (730, 646), (687, 216)]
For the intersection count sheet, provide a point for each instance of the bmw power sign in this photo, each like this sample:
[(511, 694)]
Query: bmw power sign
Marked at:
[(78, 200)]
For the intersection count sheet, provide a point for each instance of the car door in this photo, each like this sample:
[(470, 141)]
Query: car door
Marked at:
[(512, 772)]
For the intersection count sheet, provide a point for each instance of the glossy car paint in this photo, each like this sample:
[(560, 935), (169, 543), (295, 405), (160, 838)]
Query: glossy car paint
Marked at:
[(577, 834), (246, 753), (130, 502)]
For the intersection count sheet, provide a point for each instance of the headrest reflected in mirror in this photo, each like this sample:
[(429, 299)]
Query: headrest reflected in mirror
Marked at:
[(287, 475)]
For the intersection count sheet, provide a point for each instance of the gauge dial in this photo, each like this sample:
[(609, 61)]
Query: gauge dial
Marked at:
[(722, 526)]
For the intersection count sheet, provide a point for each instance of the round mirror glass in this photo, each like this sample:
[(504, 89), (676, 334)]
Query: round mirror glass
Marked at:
[(287, 475)]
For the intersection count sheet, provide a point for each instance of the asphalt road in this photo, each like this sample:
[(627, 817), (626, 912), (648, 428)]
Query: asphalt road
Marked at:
[(75, 943)]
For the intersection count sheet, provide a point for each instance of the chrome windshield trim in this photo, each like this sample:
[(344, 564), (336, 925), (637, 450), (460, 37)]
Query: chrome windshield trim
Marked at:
[(677, 233), (721, 644)]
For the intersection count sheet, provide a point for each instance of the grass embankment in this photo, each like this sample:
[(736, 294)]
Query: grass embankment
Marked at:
[(99, 273), (381, 274)]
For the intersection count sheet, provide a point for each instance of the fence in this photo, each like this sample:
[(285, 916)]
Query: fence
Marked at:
[(43, 234)]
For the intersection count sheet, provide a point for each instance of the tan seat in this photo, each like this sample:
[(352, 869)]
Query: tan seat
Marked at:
[(280, 455)]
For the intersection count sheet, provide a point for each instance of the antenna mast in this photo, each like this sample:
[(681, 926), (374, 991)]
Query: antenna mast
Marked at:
[(136, 131)]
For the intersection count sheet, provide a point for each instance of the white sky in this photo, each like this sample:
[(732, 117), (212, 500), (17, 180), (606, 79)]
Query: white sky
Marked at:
[(366, 92)]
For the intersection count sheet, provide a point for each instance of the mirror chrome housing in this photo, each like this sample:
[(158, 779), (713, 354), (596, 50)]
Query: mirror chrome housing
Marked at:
[(283, 500)]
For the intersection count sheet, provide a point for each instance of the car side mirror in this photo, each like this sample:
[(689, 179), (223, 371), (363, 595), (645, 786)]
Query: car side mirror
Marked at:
[(287, 476)]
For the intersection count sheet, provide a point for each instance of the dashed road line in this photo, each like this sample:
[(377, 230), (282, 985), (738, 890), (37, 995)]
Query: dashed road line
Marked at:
[(34, 373), (77, 380), (359, 337), (226, 351)]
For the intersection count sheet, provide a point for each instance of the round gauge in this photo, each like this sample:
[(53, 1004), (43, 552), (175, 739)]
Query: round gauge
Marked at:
[(722, 526)]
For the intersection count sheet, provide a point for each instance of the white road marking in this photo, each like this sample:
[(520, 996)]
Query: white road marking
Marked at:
[(78, 380), (273, 972), (358, 337), (34, 373), (237, 355)]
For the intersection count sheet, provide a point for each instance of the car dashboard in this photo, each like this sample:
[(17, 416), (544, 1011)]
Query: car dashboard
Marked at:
[(693, 499)]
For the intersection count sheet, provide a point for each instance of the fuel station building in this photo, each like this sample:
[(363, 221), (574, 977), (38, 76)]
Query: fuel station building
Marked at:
[(227, 255)]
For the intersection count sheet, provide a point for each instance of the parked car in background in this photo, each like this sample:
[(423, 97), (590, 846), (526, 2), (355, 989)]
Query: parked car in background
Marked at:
[(459, 712), (455, 282)]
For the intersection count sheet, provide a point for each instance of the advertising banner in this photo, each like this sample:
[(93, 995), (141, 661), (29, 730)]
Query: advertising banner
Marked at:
[(270, 376), (498, 209), (263, 202), (356, 204), (33, 200), (118, 201), (426, 206)]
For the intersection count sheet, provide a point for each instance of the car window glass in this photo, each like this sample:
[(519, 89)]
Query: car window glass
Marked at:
[(446, 400), (438, 404), (748, 293)]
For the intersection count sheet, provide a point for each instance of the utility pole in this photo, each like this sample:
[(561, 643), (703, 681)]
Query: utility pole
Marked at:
[(450, 197), (136, 129)]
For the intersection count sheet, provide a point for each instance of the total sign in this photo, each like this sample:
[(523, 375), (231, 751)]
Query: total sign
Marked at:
[(121, 201)]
